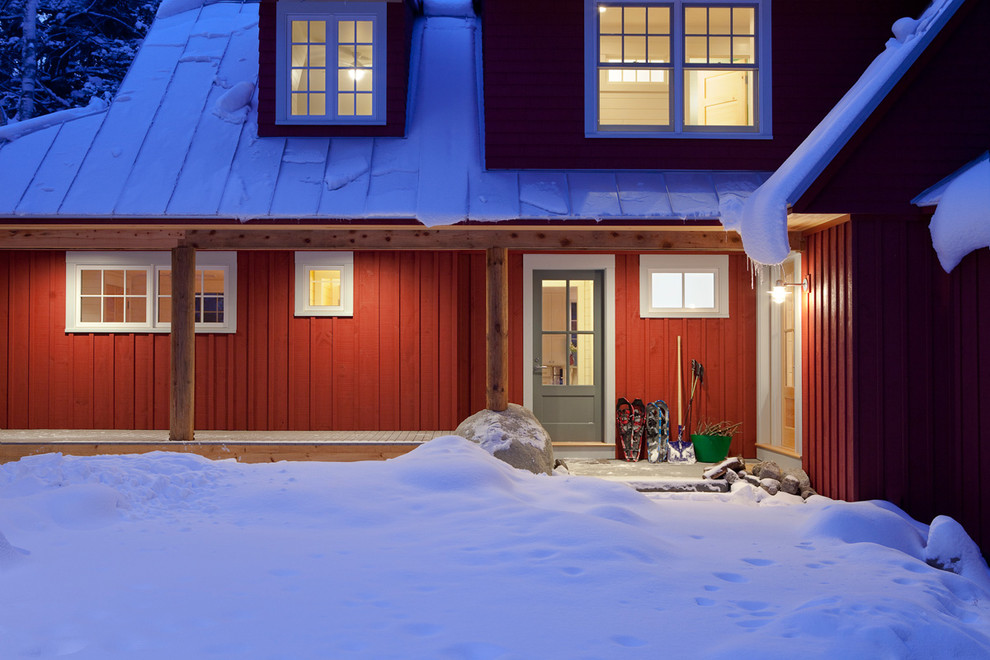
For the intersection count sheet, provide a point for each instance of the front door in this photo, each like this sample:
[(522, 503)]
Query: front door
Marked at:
[(568, 355)]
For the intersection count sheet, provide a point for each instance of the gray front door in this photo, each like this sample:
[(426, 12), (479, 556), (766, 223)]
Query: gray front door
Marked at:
[(568, 355)]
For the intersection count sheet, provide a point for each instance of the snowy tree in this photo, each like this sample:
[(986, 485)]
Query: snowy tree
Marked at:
[(57, 54)]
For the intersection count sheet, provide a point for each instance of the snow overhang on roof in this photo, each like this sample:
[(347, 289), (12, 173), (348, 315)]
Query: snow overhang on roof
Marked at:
[(180, 142), (762, 219), (961, 222)]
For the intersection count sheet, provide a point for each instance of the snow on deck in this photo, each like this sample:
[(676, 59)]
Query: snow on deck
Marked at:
[(180, 141)]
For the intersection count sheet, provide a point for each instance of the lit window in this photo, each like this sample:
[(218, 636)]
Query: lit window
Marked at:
[(679, 286), (331, 63), (132, 291), (679, 68), (324, 284)]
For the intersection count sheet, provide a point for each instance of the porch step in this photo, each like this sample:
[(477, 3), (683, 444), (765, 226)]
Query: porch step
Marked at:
[(649, 477), (589, 450)]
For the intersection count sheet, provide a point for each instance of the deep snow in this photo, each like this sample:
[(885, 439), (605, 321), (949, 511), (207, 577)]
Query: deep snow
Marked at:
[(449, 553)]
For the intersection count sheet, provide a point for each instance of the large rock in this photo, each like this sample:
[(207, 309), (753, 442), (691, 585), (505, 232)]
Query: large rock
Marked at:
[(513, 435)]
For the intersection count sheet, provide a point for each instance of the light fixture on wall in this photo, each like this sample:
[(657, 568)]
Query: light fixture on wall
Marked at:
[(779, 291)]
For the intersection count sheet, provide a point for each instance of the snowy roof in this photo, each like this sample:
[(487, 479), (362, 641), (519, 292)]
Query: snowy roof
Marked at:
[(762, 219), (180, 141)]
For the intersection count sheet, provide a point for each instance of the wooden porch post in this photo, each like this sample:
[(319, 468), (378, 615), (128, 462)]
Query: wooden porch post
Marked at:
[(498, 329), (183, 341)]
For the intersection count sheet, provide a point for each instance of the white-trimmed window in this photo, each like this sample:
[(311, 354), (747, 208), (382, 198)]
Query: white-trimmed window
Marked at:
[(330, 62), (680, 68), (132, 291), (683, 286), (324, 284)]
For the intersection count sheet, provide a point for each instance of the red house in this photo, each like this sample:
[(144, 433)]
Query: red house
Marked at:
[(535, 202)]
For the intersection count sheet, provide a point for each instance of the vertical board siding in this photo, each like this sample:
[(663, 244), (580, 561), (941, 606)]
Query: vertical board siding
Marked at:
[(898, 371), (412, 354), (646, 354), (828, 369)]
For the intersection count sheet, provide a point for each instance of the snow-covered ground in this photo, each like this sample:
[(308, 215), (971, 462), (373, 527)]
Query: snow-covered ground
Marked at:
[(449, 553)]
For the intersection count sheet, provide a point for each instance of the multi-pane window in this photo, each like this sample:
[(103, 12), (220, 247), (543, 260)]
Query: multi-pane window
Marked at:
[(132, 292), (324, 284), (680, 67), (678, 286), (209, 291), (331, 62)]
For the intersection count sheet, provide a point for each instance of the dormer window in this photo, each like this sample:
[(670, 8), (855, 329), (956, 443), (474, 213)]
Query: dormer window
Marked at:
[(680, 68), (331, 63)]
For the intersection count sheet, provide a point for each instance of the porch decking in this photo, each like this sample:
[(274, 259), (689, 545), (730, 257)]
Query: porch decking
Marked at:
[(245, 446)]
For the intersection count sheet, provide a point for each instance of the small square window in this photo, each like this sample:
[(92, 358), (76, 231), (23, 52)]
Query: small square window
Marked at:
[(324, 284), (684, 286)]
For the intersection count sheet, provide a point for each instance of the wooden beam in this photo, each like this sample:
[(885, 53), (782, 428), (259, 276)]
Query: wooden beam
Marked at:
[(576, 237), (183, 344), (497, 294)]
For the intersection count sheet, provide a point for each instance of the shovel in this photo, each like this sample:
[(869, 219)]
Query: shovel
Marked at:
[(681, 450)]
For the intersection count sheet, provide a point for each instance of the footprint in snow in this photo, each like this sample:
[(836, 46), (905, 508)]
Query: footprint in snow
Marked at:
[(758, 562), (628, 641), (731, 577)]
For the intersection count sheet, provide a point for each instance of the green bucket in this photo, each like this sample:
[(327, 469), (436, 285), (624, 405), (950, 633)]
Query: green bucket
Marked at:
[(711, 448)]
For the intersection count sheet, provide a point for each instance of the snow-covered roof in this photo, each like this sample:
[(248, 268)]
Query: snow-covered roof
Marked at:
[(762, 219), (180, 141)]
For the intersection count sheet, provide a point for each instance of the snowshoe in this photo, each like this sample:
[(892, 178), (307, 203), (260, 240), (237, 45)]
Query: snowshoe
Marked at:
[(623, 426), (638, 424), (657, 431)]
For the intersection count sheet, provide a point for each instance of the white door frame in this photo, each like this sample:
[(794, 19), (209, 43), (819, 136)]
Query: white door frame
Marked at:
[(602, 262), (769, 396)]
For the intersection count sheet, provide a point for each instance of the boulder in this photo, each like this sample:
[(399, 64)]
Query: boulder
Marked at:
[(768, 470), (513, 435), (790, 484), (772, 486)]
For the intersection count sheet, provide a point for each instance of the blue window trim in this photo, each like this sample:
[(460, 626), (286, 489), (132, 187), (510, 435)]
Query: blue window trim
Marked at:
[(330, 12), (677, 130)]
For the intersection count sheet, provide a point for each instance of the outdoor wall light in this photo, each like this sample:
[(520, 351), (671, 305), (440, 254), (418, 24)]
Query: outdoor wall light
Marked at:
[(779, 291)]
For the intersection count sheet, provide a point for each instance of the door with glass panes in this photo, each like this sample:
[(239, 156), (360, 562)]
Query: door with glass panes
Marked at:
[(568, 365)]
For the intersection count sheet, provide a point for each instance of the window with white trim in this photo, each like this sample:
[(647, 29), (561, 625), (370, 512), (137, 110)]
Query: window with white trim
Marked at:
[(683, 286), (324, 284), (132, 291), (330, 61), (680, 68)]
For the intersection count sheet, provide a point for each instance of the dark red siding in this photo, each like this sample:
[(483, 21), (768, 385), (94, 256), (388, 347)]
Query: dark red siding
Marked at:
[(827, 358), (534, 85), (897, 389), (399, 19), (931, 124)]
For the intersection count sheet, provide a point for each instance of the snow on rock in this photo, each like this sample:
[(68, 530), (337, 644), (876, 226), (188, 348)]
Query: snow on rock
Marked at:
[(235, 104), (513, 435), (961, 222), (951, 549), (173, 7)]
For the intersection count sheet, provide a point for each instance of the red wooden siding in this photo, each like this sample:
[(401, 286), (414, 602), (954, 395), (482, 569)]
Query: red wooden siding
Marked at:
[(534, 85), (897, 384), (827, 374), (411, 357), (646, 353)]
